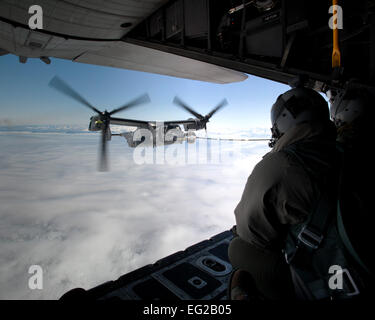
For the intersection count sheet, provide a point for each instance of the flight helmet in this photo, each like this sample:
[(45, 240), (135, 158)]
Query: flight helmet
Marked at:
[(347, 106), (296, 106)]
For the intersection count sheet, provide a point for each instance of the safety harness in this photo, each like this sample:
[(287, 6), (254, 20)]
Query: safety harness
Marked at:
[(323, 263)]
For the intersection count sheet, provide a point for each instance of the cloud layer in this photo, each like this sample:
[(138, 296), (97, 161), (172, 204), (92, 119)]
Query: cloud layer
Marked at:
[(84, 227)]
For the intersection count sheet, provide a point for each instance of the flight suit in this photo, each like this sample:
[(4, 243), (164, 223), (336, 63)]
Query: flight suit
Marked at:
[(280, 192)]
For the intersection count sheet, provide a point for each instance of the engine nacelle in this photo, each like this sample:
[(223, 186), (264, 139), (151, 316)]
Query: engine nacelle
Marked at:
[(198, 125), (95, 124)]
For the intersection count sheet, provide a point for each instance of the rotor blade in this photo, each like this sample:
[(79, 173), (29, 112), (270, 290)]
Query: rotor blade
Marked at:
[(217, 108), (140, 100), (103, 164), (64, 88), (183, 105)]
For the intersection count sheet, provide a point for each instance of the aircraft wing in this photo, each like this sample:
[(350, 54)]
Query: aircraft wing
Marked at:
[(146, 124), (130, 122), (179, 122), (92, 32)]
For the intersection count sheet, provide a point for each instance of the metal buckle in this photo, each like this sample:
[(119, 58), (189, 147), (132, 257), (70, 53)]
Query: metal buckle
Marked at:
[(310, 238), (355, 288)]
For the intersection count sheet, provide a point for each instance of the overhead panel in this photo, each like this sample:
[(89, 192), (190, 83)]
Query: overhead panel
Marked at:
[(174, 19), (82, 18), (196, 18), (92, 32)]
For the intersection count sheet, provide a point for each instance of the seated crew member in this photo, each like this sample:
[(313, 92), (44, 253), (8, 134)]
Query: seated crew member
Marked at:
[(352, 112), (280, 193)]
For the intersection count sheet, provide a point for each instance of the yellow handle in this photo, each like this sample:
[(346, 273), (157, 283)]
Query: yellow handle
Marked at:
[(336, 54)]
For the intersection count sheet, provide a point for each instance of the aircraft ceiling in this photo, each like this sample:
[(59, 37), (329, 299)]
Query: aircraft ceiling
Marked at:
[(91, 31)]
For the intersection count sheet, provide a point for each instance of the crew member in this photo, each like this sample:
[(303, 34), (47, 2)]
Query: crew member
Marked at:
[(352, 112), (281, 193)]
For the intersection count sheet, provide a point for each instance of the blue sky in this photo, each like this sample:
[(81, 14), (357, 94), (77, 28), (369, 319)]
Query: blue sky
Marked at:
[(25, 97)]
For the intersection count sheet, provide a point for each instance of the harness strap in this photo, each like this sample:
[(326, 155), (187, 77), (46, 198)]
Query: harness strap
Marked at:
[(348, 245), (340, 223), (312, 234)]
